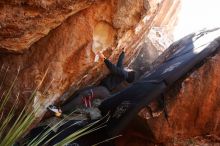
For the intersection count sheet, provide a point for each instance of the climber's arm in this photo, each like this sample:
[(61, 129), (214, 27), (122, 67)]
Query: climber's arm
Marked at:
[(120, 59), (114, 69)]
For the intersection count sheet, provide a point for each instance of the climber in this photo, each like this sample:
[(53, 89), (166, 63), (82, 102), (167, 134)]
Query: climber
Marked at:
[(125, 105), (85, 96)]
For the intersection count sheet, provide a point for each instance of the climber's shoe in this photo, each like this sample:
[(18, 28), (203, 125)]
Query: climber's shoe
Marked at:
[(57, 111)]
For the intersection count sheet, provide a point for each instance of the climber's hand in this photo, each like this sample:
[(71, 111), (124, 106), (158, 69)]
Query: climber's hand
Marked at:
[(101, 55)]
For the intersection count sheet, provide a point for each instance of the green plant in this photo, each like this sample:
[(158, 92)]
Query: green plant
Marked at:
[(21, 123)]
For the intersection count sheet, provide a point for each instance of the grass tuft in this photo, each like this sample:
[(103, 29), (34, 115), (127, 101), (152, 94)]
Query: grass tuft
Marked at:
[(18, 125)]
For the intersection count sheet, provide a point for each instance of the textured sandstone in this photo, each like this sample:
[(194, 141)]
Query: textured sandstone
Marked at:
[(167, 18), (195, 109), (23, 22), (68, 53), (63, 38)]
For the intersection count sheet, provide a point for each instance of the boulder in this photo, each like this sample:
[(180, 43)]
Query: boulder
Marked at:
[(23, 22), (55, 45), (193, 106)]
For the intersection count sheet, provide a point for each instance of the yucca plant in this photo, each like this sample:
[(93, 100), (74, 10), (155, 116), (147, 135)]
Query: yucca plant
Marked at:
[(21, 123), (77, 134)]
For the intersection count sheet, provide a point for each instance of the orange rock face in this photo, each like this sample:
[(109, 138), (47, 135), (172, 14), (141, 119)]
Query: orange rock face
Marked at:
[(195, 109), (24, 22), (68, 53), (62, 38)]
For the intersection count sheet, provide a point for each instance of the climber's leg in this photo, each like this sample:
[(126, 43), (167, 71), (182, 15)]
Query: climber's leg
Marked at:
[(85, 97)]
